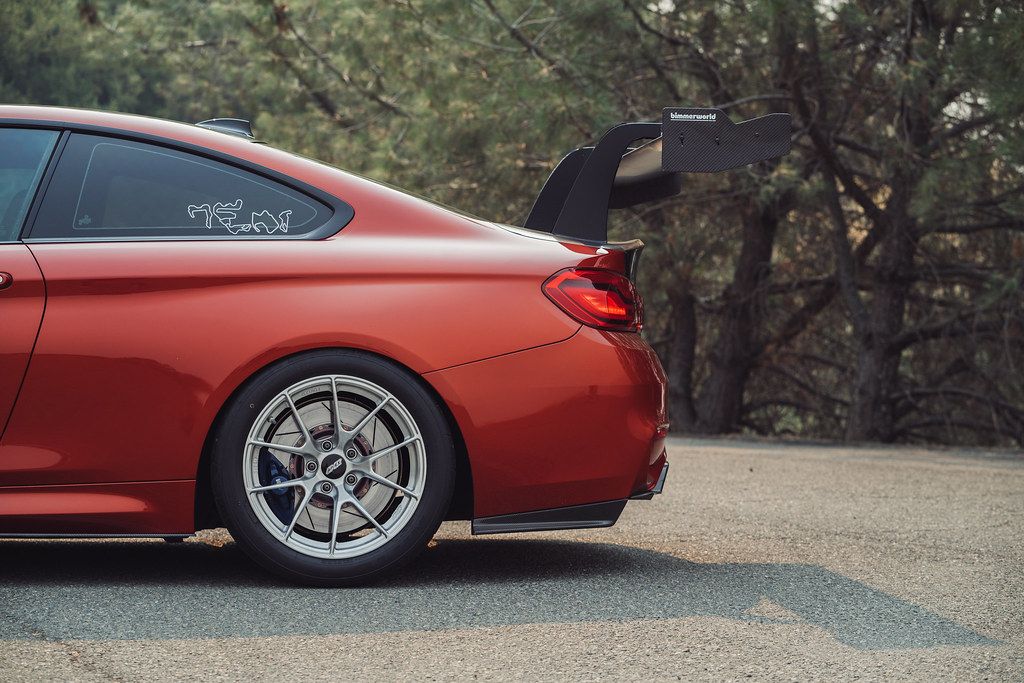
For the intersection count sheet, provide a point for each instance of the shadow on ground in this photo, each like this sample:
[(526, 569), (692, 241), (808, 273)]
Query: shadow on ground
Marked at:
[(141, 590)]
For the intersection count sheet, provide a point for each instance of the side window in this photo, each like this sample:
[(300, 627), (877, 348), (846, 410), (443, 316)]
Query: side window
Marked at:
[(23, 156), (105, 187)]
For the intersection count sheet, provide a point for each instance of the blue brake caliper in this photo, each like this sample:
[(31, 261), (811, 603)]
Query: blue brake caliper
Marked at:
[(273, 472)]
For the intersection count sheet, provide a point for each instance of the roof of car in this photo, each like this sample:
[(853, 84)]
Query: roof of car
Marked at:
[(112, 120), (146, 126)]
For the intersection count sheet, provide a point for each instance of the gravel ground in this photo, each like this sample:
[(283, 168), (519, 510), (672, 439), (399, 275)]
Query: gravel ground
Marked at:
[(761, 560)]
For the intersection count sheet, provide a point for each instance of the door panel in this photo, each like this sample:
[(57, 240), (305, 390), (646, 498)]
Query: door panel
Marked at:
[(21, 310)]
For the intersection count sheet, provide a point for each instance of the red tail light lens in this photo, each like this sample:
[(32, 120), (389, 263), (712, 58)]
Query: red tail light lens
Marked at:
[(598, 298)]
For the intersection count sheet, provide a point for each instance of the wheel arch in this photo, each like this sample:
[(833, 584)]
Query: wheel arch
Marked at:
[(461, 507)]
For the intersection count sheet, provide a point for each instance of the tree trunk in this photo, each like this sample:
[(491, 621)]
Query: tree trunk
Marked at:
[(682, 350), (872, 416), (720, 404)]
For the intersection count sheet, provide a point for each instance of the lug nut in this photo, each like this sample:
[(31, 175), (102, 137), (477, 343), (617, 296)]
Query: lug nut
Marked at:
[(351, 454), (326, 487), (351, 479), (311, 466)]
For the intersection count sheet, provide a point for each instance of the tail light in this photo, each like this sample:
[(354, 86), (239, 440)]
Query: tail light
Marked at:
[(599, 298)]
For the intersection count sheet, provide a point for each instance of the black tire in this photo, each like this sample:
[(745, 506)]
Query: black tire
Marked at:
[(229, 488)]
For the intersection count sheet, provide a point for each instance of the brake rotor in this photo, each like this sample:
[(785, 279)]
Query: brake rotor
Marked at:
[(315, 521)]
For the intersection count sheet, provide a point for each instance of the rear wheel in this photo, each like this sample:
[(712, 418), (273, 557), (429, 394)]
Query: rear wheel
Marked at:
[(333, 467)]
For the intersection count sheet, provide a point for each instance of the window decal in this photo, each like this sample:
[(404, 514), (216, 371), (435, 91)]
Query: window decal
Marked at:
[(225, 214)]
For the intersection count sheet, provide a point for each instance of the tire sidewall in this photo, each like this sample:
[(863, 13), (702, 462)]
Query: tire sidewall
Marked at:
[(229, 451)]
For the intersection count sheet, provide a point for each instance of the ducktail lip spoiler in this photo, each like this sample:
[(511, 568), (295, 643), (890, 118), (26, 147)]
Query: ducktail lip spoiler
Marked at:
[(612, 174)]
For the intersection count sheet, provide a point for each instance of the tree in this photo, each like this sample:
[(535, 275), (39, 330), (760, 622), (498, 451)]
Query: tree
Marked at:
[(917, 117)]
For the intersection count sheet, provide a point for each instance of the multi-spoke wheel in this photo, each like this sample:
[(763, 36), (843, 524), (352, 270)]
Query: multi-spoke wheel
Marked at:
[(333, 466)]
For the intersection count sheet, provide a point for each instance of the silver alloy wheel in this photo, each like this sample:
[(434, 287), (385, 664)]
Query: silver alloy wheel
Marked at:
[(334, 466)]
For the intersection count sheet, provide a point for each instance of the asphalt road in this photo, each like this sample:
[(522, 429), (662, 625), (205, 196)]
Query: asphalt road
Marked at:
[(764, 561)]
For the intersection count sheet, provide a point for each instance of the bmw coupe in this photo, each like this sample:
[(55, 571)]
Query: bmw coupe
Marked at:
[(200, 331)]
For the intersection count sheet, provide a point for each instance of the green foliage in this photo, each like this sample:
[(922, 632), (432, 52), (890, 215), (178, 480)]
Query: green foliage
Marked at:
[(54, 56)]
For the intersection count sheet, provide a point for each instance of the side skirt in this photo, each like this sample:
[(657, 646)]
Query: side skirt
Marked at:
[(588, 516), (76, 537)]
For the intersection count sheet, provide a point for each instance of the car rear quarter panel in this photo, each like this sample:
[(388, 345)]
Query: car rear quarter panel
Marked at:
[(143, 342), (570, 423)]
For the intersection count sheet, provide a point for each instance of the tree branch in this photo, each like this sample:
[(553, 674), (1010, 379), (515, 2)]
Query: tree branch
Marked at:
[(958, 326), (1015, 224), (779, 97), (959, 129), (846, 266), (285, 21), (857, 147), (827, 152), (813, 391), (536, 50), (925, 392), (948, 423), (327, 105), (707, 69)]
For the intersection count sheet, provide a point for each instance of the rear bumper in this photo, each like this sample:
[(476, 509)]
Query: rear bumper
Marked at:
[(569, 424), (659, 486), (589, 516)]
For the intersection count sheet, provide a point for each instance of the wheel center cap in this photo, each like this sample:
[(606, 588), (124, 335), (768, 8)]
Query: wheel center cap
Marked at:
[(333, 466)]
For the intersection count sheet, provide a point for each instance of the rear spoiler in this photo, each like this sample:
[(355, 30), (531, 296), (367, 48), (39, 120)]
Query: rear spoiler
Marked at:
[(612, 174)]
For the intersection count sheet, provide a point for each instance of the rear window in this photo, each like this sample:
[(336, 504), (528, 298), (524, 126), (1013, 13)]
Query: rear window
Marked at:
[(105, 187)]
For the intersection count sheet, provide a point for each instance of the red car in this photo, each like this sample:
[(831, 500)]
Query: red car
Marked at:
[(199, 330)]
